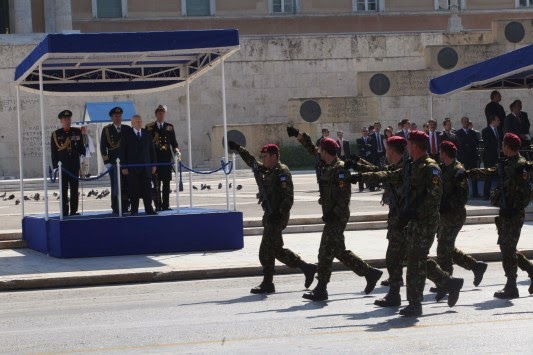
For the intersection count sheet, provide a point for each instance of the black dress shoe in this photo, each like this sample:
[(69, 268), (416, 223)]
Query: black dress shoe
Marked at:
[(151, 213), (166, 209), (75, 214)]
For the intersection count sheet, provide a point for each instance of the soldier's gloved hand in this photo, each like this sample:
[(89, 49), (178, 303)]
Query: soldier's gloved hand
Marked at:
[(233, 146), (292, 132), (348, 164), (108, 166)]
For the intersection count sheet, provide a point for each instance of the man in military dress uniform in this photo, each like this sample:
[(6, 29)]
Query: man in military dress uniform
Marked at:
[(275, 181), (166, 145), (110, 150), (512, 197), (422, 188), (335, 192), (453, 215), (67, 147), (394, 197)]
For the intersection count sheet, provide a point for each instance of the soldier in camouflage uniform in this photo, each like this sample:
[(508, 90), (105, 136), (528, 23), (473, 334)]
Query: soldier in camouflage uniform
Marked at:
[(276, 183), (420, 214), (335, 192), (394, 197), (512, 197), (453, 216)]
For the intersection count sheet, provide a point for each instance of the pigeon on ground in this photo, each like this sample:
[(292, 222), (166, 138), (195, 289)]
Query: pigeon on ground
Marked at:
[(208, 187), (3, 195), (17, 201), (26, 198), (239, 187), (55, 194), (37, 197), (194, 187), (90, 193), (219, 185), (12, 196), (230, 185), (203, 187), (100, 196)]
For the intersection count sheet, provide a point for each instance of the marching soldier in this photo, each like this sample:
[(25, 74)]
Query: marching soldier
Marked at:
[(110, 150), (394, 197), (453, 216), (335, 192), (512, 197), (421, 179), (276, 195), (166, 145), (67, 147)]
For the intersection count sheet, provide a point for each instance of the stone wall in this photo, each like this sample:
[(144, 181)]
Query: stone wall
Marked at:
[(270, 81)]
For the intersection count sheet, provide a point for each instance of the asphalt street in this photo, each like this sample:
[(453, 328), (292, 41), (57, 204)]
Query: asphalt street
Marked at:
[(220, 316)]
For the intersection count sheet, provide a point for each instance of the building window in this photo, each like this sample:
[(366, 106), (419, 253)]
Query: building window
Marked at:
[(366, 5), (4, 16), (524, 3), (198, 7), (283, 6), (444, 5), (108, 8)]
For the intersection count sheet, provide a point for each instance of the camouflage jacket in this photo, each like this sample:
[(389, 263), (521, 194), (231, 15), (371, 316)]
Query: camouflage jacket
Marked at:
[(454, 193), (424, 188), (515, 189), (277, 182), (334, 184)]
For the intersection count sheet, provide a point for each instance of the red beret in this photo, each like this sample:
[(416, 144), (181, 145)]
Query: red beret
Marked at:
[(329, 145), (397, 141), (418, 136), (448, 146), (270, 148), (512, 140)]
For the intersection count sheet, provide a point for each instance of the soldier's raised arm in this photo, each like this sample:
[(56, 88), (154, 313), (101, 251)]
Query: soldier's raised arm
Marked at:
[(304, 139), (248, 158)]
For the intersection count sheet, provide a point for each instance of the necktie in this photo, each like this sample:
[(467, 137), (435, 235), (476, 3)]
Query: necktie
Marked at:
[(139, 135), (118, 129), (160, 126), (433, 144)]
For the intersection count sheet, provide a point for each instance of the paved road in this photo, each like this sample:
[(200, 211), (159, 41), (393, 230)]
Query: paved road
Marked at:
[(221, 316)]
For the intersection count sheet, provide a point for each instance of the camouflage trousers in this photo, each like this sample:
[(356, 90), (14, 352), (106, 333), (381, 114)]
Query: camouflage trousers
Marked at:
[(509, 229), (420, 237), (447, 253), (271, 247), (332, 246), (395, 253)]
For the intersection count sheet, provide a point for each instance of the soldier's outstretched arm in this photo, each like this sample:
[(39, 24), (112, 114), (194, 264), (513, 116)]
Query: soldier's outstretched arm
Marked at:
[(304, 139), (248, 158), (482, 173), (382, 176)]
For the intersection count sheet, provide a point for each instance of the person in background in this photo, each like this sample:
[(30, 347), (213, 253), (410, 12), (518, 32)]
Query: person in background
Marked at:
[(492, 142), (467, 143), (325, 134), (494, 108), (344, 146)]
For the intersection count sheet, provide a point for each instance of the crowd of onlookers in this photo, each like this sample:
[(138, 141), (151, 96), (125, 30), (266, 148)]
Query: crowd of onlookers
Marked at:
[(473, 147)]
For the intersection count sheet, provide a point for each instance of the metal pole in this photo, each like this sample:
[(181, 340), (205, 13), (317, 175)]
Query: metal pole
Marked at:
[(176, 165), (430, 106), (43, 141), (225, 130), (188, 109), (234, 178), (60, 171), (21, 172), (119, 197)]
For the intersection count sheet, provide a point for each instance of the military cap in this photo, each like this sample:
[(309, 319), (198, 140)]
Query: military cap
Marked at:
[(64, 113), (115, 110), (397, 141), (161, 108), (418, 136), (512, 141), (270, 148), (329, 145), (449, 148)]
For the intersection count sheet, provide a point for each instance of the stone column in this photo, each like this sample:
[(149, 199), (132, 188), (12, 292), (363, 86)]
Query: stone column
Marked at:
[(21, 16), (454, 22), (49, 16), (63, 15)]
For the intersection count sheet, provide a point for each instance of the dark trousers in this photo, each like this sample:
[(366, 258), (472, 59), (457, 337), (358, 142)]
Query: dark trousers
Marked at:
[(139, 187), (66, 181), (114, 190), (165, 193), (473, 184)]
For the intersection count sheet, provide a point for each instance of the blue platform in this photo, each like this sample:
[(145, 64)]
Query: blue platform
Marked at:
[(103, 234)]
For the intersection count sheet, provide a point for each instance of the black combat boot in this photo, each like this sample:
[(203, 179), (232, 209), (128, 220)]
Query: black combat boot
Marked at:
[(267, 286), (531, 284), (309, 271), (479, 269), (320, 293), (434, 289), (440, 293), (413, 310), (454, 286), (509, 291), (372, 277), (391, 299)]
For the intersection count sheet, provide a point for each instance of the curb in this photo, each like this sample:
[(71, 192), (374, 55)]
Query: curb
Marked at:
[(173, 275)]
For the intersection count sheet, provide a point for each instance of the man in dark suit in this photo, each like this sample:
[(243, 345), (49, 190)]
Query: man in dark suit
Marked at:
[(404, 131), (517, 122), (434, 140), (164, 138), (67, 147), (137, 148), (343, 151), (492, 141), (448, 134), (377, 145), (364, 145), (110, 150), (325, 134), (494, 108), (468, 141)]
